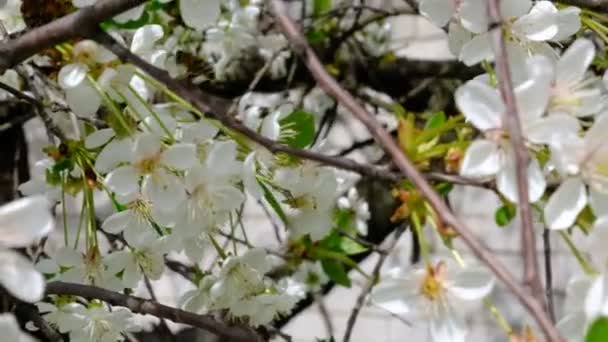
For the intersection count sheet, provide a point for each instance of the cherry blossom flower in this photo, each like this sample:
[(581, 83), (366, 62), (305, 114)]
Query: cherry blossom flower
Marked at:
[(432, 291)]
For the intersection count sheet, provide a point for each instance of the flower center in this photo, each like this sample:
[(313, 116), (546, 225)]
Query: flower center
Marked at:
[(432, 284)]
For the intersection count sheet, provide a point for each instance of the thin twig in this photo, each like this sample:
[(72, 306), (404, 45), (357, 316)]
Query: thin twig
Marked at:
[(522, 157), (375, 278), (325, 314), (409, 170), (144, 306), (548, 273)]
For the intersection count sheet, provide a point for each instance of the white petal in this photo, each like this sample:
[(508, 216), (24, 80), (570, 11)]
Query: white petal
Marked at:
[(445, 326), (514, 8), (25, 220), (392, 297), (599, 203), (99, 138), (596, 296), (180, 156), (551, 129), (118, 222), (199, 14), (477, 50), (480, 104), (9, 328), (568, 23), (72, 75), (531, 101), (506, 180), (132, 14), (145, 37), (572, 327), (481, 159), (83, 99), (114, 153), (164, 190), (473, 15), (573, 64), (438, 11), (540, 24), (458, 36), (146, 146), (20, 278), (199, 132), (123, 180), (472, 283), (565, 204), (249, 177)]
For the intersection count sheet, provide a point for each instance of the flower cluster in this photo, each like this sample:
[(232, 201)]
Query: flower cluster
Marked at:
[(178, 180)]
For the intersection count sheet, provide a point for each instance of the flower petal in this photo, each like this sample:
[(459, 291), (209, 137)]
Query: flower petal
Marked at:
[(393, 297), (480, 104), (506, 180), (446, 326), (123, 180), (199, 14), (471, 283), (25, 220), (72, 75), (481, 159), (575, 61), (180, 156), (477, 50), (565, 204), (249, 177), (99, 138), (540, 24), (438, 11), (19, 277), (568, 23)]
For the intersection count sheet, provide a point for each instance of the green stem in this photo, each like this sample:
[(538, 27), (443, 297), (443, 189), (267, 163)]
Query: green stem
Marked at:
[(153, 112), (586, 266), (115, 110), (424, 247)]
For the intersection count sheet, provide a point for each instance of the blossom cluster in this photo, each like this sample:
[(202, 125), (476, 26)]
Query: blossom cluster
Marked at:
[(178, 179)]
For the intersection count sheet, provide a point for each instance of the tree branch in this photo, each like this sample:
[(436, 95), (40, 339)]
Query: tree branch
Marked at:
[(144, 306), (408, 169), (77, 24), (522, 157)]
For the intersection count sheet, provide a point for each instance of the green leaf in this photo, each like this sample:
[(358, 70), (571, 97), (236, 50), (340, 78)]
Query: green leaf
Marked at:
[(301, 128), (598, 332), (273, 203), (436, 120), (504, 215), (351, 247), (335, 271), (315, 37), (321, 6)]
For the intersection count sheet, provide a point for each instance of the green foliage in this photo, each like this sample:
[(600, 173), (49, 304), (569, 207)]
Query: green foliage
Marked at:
[(598, 332), (504, 215), (336, 272), (321, 6), (268, 195), (436, 120), (301, 128)]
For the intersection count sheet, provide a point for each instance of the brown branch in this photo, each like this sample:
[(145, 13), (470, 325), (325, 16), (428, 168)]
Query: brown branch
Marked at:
[(408, 169), (144, 306), (370, 285), (74, 25), (522, 157)]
